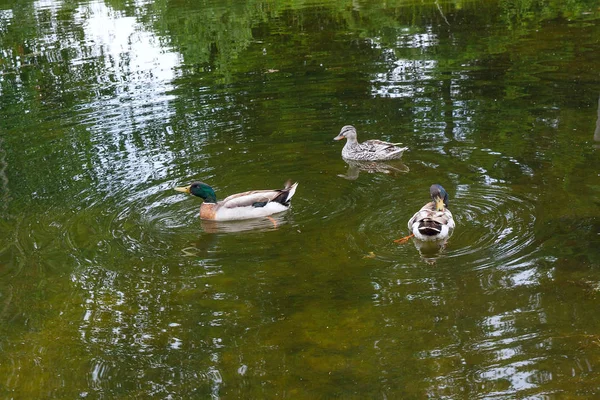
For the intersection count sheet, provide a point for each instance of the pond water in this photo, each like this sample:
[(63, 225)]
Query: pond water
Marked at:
[(111, 286)]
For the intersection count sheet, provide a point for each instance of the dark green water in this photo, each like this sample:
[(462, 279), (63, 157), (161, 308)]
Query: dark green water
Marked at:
[(111, 287)]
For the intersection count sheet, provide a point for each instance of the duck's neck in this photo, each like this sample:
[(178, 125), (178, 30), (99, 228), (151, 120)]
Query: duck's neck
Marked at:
[(351, 143), (209, 197), (352, 139)]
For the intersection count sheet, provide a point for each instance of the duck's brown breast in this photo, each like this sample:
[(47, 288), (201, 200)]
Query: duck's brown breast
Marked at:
[(208, 211)]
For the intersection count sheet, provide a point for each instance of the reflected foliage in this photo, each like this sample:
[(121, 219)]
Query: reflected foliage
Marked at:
[(108, 105)]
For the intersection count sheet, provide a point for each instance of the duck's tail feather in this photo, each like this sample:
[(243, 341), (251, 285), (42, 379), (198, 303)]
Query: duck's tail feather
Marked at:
[(430, 228), (287, 193)]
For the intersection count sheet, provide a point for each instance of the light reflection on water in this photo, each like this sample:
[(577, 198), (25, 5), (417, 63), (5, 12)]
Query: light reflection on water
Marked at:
[(159, 303)]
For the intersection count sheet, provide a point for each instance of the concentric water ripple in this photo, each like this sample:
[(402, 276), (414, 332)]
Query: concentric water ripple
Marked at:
[(138, 223), (500, 225), (494, 226)]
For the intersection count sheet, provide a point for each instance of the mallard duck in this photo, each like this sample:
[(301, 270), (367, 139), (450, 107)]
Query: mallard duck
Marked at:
[(433, 221), (252, 204), (371, 150)]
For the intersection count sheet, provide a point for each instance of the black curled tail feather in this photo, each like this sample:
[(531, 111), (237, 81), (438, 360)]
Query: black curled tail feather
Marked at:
[(285, 195), (282, 197), (430, 228)]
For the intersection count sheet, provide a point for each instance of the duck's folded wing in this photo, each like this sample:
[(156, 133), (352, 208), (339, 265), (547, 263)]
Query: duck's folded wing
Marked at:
[(248, 199), (379, 145), (428, 211), (419, 216), (441, 217)]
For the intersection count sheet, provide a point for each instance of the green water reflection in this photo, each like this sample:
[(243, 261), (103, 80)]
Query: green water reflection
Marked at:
[(110, 286)]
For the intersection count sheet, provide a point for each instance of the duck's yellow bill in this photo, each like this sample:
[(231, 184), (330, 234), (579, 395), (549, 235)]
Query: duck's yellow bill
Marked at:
[(439, 204), (184, 189)]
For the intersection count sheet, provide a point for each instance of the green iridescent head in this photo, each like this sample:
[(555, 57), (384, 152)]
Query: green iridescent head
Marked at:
[(439, 196), (199, 189)]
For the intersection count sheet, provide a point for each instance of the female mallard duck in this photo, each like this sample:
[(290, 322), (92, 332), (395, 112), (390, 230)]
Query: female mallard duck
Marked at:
[(371, 150), (252, 204), (433, 221)]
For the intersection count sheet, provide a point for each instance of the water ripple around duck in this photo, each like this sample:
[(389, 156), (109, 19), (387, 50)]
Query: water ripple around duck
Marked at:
[(493, 226)]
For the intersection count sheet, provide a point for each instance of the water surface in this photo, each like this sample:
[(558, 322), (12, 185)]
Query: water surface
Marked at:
[(110, 285)]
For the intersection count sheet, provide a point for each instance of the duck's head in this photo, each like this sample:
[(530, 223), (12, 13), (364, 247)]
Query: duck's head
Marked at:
[(439, 196), (347, 132), (199, 189)]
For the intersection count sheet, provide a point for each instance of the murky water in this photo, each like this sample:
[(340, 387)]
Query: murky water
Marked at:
[(111, 287)]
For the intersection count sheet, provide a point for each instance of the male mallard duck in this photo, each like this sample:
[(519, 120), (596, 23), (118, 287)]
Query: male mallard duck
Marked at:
[(371, 150), (433, 221), (252, 204)]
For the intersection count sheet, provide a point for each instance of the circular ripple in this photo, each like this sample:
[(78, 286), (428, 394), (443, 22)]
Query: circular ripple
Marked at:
[(493, 226), (160, 222), (499, 226)]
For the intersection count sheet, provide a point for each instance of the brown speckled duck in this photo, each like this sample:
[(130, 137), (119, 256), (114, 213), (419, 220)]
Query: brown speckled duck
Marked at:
[(371, 150)]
